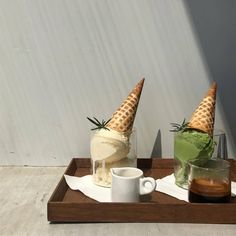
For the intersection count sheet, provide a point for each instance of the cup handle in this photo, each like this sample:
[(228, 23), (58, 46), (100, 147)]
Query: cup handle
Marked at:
[(146, 189)]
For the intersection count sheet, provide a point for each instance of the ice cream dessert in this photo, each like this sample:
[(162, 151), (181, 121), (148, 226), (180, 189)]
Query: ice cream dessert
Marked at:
[(113, 142), (193, 140)]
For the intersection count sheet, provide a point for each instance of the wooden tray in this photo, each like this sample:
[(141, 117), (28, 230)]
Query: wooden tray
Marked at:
[(66, 205)]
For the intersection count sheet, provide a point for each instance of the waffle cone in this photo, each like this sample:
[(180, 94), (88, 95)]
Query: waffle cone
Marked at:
[(203, 118), (122, 120)]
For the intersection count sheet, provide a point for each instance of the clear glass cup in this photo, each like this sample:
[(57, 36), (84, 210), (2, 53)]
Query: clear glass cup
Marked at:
[(209, 182), (111, 149), (180, 166), (188, 146)]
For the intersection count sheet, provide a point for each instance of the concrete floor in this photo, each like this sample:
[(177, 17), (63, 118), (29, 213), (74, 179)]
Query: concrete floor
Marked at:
[(24, 192)]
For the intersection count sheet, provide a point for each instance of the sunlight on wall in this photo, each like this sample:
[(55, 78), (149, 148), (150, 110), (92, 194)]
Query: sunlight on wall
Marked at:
[(65, 60)]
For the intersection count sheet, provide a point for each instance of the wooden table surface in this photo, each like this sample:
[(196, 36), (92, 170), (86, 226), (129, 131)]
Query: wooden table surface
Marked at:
[(24, 192)]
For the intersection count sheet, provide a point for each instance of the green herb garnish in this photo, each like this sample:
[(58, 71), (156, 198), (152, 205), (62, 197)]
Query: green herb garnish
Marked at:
[(100, 125), (178, 127)]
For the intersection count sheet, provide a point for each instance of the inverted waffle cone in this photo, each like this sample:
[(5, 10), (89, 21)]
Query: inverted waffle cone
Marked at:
[(122, 120), (203, 118)]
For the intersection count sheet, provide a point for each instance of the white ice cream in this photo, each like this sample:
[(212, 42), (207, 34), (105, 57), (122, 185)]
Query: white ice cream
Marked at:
[(109, 145), (109, 149)]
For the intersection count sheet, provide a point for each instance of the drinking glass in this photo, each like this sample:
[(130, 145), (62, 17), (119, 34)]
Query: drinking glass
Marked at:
[(180, 166), (116, 154), (209, 182)]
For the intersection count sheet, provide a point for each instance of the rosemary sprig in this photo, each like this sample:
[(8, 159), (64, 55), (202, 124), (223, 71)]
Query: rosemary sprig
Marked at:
[(99, 125), (178, 127)]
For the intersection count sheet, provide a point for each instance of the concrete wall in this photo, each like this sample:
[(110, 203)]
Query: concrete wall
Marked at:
[(61, 61)]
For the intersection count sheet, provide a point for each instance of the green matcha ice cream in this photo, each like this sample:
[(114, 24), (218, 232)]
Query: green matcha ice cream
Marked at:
[(190, 145), (193, 140)]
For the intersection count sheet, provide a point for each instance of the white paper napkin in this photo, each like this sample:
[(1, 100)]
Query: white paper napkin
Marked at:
[(88, 188), (167, 185)]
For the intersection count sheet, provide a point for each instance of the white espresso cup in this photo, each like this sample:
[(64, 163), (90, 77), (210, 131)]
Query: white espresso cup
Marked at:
[(128, 184)]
